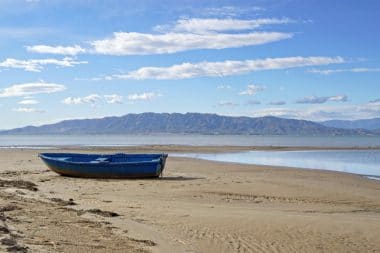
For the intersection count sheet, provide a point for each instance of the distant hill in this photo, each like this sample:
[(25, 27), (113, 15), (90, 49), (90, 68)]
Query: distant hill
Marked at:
[(369, 124), (186, 123)]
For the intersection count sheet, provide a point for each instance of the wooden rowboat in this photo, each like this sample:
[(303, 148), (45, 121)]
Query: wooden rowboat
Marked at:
[(105, 165)]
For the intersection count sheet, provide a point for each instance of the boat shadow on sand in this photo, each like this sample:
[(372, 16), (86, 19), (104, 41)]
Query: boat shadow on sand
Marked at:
[(178, 178), (162, 178)]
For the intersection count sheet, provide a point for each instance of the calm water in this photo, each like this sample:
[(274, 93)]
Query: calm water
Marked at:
[(181, 139), (363, 162)]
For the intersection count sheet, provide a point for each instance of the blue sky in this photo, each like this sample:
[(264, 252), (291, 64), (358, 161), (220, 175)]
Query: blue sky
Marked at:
[(314, 60)]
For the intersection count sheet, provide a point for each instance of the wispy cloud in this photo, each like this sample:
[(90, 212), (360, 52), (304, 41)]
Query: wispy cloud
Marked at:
[(277, 103), (191, 34), (113, 99), (184, 35), (321, 100), (36, 65), (27, 110), (352, 70), (338, 98), (143, 96), (252, 90), (63, 50), (133, 43), (93, 99), (27, 89), (225, 68), (28, 102), (90, 99), (201, 26)]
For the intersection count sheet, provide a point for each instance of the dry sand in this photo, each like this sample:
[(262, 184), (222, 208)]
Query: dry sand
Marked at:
[(198, 206)]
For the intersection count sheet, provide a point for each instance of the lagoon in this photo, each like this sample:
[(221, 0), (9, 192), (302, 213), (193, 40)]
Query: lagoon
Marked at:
[(363, 162)]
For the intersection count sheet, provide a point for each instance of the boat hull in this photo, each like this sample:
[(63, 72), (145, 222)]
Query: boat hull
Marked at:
[(140, 166)]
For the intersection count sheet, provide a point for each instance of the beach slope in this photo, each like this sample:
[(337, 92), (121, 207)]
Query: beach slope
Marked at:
[(197, 206)]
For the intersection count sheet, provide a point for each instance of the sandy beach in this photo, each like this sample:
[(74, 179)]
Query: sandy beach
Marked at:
[(197, 206)]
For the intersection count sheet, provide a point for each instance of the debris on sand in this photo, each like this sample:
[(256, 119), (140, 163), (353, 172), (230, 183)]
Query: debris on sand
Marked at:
[(8, 241), (21, 184), (103, 213), (18, 249), (9, 208), (146, 242), (4, 230), (63, 202)]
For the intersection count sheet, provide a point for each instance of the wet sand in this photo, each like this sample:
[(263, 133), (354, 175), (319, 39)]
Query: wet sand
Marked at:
[(198, 206)]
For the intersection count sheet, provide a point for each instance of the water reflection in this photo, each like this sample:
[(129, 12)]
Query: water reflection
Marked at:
[(364, 162)]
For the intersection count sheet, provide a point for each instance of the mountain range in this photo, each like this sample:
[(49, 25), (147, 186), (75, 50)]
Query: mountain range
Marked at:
[(369, 124), (189, 123)]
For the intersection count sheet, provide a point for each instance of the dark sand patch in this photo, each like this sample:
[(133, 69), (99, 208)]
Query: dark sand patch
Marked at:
[(63, 202), (102, 213), (9, 208), (21, 184)]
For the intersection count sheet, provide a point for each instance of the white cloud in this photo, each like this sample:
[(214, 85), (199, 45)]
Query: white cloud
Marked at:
[(185, 34), (225, 68), (252, 90), (352, 70), (27, 89), (93, 98), (90, 99), (72, 101), (28, 102), (27, 109), (36, 65), (338, 98), (44, 49), (113, 99), (143, 96), (123, 43), (201, 26), (321, 100)]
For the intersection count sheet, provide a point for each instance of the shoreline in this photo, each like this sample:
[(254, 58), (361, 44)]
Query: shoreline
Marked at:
[(174, 150), (371, 177), (198, 206), (186, 148)]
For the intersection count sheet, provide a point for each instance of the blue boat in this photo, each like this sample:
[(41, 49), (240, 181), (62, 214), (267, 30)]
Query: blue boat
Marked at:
[(106, 165)]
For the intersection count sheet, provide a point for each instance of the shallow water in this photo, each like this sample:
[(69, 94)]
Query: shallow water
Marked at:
[(186, 139), (363, 162)]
